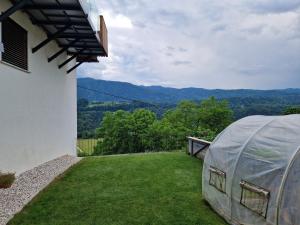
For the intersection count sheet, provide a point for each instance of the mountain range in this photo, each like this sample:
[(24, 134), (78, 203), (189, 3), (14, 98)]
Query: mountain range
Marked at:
[(103, 91)]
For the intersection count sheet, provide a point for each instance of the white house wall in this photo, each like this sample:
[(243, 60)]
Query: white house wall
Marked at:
[(37, 108)]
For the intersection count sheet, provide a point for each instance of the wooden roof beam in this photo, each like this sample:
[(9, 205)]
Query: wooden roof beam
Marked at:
[(66, 16), (49, 22), (74, 67), (70, 59), (75, 35), (71, 7), (62, 50), (50, 38), (15, 7), (89, 53), (81, 46)]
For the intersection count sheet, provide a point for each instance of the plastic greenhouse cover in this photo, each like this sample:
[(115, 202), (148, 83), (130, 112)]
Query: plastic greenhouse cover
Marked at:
[(261, 151)]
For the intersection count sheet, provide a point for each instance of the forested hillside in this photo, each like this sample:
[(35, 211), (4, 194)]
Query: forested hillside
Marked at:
[(157, 94), (90, 114), (98, 96)]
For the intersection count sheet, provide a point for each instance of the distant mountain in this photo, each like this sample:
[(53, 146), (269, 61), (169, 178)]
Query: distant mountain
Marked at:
[(158, 94)]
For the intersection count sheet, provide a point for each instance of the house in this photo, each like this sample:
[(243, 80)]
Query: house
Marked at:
[(42, 42)]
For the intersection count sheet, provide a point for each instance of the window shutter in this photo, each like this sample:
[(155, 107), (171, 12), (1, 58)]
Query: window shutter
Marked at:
[(14, 39)]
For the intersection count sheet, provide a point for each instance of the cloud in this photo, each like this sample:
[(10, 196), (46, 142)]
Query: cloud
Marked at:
[(179, 63), (202, 43), (117, 20), (219, 28), (271, 6), (182, 49)]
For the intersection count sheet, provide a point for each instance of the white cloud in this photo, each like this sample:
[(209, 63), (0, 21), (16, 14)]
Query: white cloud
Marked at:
[(117, 20)]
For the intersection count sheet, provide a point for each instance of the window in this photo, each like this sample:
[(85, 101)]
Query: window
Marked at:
[(14, 39), (255, 198), (217, 179)]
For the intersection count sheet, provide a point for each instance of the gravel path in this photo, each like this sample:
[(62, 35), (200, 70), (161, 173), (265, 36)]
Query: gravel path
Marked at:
[(29, 184)]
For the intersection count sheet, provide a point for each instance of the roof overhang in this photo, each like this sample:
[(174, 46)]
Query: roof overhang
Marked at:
[(69, 23)]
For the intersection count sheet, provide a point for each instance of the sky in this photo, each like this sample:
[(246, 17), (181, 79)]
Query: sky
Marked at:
[(227, 44)]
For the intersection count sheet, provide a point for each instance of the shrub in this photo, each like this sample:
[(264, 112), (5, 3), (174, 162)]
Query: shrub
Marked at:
[(141, 131), (206, 134), (6, 179), (292, 110)]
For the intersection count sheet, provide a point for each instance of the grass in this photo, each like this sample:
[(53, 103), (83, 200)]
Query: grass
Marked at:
[(86, 146), (141, 189)]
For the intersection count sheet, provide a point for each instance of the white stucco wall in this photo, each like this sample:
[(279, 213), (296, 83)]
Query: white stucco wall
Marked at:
[(38, 120)]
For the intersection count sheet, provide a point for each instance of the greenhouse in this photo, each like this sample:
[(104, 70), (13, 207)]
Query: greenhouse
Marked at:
[(251, 172)]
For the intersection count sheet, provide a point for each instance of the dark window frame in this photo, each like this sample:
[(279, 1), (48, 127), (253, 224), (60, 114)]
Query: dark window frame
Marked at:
[(263, 193), (213, 171), (15, 43)]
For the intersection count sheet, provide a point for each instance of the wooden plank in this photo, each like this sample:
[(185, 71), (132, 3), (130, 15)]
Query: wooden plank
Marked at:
[(103, 35), (199, 140)]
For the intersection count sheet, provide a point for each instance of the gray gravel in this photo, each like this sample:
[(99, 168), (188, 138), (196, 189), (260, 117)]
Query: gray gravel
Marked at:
[(29, 184)]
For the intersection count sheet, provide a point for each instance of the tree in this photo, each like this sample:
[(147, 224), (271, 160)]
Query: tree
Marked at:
[(140, 130), (142, 119), (183, 121), (215, 115), (114, 133), (206, 134), (204, 120), (162, 136), (186, 114), (124, 132), (292, 110)]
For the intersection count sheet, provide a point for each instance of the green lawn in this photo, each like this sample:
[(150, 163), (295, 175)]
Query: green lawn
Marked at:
[(141, 189)]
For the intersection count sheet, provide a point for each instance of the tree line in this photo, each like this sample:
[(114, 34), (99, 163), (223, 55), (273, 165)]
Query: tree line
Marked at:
[(141, 130), (90, 114), (123, 127)]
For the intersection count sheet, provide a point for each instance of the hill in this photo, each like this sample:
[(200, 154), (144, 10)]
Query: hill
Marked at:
[(158, 94)]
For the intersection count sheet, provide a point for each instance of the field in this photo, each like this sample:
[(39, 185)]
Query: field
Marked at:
[(85, 147), (139, 189)]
